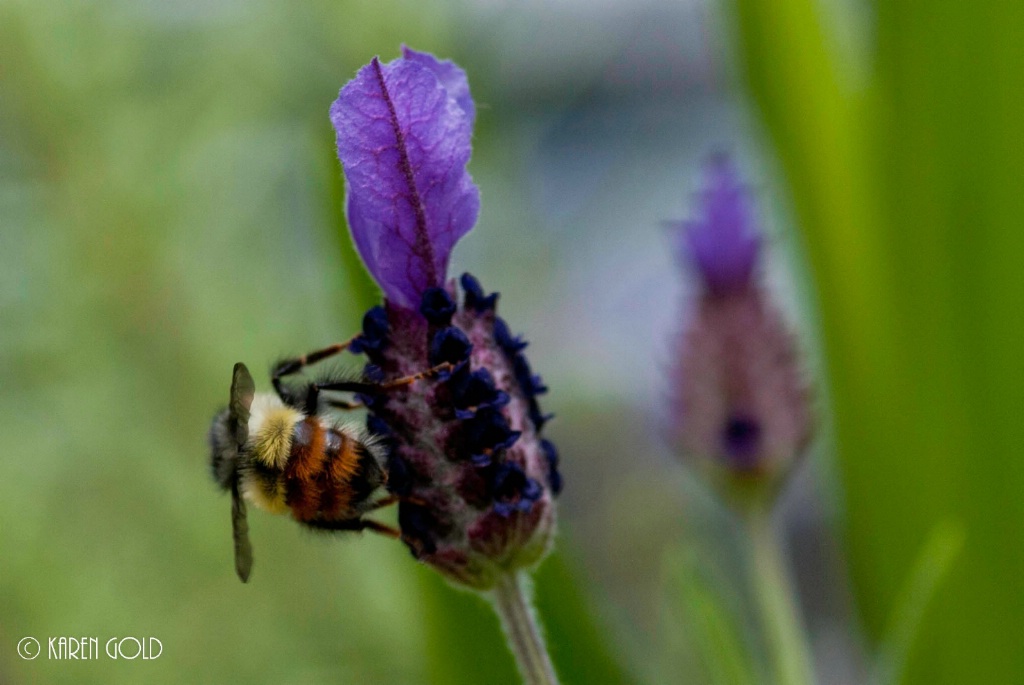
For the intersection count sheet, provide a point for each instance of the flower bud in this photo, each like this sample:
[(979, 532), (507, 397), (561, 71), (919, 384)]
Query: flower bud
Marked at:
[(741, 401)]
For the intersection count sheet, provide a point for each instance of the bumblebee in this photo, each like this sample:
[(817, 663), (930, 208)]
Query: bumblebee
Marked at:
[(280, 452)]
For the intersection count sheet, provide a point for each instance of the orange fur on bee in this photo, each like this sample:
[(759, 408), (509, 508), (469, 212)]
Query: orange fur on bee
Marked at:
[(317, 479), (308, 460), (344, 468), (302, 473), (340, 473)]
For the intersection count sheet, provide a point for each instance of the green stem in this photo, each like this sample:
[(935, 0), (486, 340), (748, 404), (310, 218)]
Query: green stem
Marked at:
[(780, 613), (522, 630)]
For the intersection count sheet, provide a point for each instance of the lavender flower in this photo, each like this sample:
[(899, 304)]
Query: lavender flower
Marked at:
[(476, 478), (742, 402)]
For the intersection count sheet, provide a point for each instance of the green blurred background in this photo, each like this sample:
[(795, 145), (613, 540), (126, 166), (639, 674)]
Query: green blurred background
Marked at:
[(170, 203)]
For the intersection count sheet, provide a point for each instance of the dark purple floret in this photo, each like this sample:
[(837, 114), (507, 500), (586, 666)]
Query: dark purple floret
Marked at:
[(373, 373), (555, 481), (487, 432), (531, 384), (512, 345), (449, 345), (419, 526), (513, 490), (377, 426), (437, 306), (474, 390), (475, 297), (375, 332), (400, 478), (538, 417), (551, 454)]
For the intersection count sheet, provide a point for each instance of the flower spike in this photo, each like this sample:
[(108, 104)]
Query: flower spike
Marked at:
[(466, 457), (742, 402)]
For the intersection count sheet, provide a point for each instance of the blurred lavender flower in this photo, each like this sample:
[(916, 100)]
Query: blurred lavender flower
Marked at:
[(741, 402), (476, 479)]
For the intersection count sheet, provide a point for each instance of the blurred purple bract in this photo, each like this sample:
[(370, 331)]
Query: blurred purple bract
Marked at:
[(722, 240)]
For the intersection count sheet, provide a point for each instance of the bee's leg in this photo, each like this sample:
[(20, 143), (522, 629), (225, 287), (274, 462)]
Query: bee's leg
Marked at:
[(383, 502), (344, 405), (369, 388), (382, 529), (356, 524), (391, 499), (431, 373), (287, 367)]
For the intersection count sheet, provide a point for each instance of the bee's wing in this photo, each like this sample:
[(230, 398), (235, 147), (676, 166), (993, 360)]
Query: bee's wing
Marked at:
[(240, 530), (243, 389)]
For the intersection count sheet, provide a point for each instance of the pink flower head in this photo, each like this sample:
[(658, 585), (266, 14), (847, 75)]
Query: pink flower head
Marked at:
[(741, 397)]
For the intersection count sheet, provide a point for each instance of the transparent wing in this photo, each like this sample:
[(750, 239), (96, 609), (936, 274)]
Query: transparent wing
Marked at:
[(240, 530), (243, 389)]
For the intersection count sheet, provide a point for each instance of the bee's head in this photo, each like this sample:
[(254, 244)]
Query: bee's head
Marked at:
[(230, 428)]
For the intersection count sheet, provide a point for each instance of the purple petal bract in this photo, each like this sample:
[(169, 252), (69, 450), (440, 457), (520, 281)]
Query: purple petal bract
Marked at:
[(723, 241), (451, 76), (404, 142)]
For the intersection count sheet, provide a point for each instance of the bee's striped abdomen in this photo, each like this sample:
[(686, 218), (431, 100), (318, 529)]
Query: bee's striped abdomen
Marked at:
[(320, 472)]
